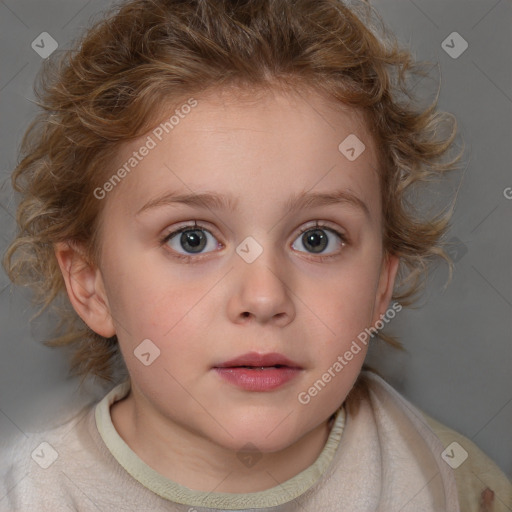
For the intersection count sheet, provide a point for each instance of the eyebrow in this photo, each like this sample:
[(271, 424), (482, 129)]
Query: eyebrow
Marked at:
[(228, 202)]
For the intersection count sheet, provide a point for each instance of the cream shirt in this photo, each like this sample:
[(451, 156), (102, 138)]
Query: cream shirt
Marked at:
[(387, 457)]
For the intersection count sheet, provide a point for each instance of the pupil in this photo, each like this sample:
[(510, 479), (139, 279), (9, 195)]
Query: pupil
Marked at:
[(315, 239), (195, 240)]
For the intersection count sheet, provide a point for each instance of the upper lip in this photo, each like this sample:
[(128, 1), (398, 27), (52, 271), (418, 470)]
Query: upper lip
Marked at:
[(259, 360)]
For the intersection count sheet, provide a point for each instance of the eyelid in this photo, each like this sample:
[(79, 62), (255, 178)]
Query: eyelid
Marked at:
[(327, 226), (321, 257), (317, 224), (176, 229)]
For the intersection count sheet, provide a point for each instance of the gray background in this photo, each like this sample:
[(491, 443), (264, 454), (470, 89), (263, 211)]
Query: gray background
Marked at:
[(458, 363)]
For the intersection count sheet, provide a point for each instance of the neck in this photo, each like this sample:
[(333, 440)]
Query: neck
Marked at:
[(198, 463)]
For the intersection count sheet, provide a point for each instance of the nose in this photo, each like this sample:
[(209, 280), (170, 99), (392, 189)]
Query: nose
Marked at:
[(260, 293)]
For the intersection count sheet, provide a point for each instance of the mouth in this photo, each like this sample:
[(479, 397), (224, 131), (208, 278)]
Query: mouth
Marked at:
[(253, 360), (258, 372)]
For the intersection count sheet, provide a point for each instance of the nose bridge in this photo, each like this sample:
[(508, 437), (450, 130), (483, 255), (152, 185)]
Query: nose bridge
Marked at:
[(261, 291)]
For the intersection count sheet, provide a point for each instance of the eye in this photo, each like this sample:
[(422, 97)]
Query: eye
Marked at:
[(320, 239), (191, 240)]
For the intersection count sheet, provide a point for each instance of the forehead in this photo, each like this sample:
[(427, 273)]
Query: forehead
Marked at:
[(245, 143)]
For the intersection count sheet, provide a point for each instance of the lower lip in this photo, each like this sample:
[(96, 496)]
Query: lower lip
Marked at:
[(258, 380)]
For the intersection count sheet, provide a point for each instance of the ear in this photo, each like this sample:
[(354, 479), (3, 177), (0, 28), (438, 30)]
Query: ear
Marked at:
[(386, 285), (86, 291)]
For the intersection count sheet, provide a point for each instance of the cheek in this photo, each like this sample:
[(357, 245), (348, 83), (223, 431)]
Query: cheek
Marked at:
[(148, 303), (338, 336), (142, 292), (345, 301), (152, 308), (149, 309)]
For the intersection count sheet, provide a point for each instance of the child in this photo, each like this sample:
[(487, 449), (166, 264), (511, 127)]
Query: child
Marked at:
[(221, 189)]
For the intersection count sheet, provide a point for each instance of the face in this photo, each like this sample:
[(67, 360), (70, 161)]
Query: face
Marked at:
[(282, 256)]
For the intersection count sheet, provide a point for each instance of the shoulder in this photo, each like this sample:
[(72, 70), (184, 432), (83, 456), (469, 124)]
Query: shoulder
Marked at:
[(69, 467), (38, 469), (477, 476)]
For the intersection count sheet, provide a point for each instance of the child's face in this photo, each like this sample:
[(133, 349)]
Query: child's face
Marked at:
[(218, 305)]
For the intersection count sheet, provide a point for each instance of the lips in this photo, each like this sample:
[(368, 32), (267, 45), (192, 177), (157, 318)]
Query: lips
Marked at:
[(258, 372), (255, 360)]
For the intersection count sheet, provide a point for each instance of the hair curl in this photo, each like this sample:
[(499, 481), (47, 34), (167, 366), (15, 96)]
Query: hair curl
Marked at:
[(145, 52)]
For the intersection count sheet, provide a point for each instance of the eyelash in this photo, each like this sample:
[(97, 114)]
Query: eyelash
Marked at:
[(321, 225), (189, 227), (195, 226)]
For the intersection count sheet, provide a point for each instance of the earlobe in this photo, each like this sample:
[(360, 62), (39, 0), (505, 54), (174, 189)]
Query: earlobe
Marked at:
[(84, 285)]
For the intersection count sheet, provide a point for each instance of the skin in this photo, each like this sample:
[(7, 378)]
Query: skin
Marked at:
[(180, 417)]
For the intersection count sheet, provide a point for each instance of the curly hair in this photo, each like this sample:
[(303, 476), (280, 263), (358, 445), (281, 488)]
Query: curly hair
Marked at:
[(105, 90)]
